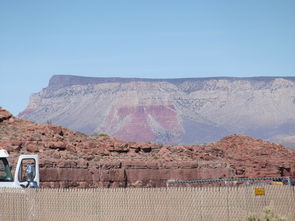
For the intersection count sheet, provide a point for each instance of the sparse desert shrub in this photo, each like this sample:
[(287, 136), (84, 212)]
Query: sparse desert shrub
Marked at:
[(13, 137), (80, 134), (100, 135), (267, 215), (36, 137), (155, 156), (14, 128)]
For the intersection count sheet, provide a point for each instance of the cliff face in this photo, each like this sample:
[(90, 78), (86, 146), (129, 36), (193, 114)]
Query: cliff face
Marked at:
[(72, 159), (172, 111)]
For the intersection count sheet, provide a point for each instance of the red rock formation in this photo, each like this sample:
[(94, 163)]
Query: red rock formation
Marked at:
[(72, 159), (4, 115), (136, 123)]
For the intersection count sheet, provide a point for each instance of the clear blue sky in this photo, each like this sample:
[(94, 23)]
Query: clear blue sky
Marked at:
[(166, 39)]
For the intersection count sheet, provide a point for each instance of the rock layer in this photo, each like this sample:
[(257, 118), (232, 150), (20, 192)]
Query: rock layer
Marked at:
[(73, 159)]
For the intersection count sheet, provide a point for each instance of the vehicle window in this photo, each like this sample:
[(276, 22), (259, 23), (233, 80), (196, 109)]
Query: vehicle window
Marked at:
[(23, 176), (2, 169), (5, 174)]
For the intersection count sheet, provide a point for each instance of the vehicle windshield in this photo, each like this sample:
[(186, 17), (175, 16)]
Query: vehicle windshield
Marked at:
[(5, 173)]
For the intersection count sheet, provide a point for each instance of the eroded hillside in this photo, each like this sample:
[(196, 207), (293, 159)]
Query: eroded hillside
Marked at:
[(72, 159)]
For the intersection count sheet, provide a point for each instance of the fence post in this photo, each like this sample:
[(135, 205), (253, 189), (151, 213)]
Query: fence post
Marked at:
[(227, 203), (166, 206), (201, 204), (289, 181)]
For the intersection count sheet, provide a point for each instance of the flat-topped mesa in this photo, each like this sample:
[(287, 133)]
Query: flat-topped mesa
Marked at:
[(4, 115), (170, 111)]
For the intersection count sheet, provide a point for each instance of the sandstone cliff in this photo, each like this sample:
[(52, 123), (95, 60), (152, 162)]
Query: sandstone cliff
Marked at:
[(73, 159), (170, 111)]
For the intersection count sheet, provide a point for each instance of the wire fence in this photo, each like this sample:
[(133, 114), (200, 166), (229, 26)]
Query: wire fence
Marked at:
[(232, 182), (179, 203)]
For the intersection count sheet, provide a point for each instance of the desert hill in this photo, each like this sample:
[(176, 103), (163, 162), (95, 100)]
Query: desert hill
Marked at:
[(73, 159), (170, 111)]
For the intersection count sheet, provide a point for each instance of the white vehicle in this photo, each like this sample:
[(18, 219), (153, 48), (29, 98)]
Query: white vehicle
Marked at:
[(26, 173)]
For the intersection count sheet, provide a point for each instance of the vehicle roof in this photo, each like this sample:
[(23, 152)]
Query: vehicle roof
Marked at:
[(3, 153)]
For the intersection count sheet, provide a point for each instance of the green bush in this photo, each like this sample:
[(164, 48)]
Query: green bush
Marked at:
[(100, 135), (103, 135)]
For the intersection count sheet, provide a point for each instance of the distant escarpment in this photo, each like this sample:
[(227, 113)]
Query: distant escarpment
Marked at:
[(170, 111), (73, 159)]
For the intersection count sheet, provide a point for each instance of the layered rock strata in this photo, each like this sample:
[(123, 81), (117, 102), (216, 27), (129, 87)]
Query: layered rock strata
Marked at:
[(170, 111)]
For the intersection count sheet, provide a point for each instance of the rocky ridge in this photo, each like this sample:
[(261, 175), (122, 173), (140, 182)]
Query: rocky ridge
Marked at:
[(73, 159)]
